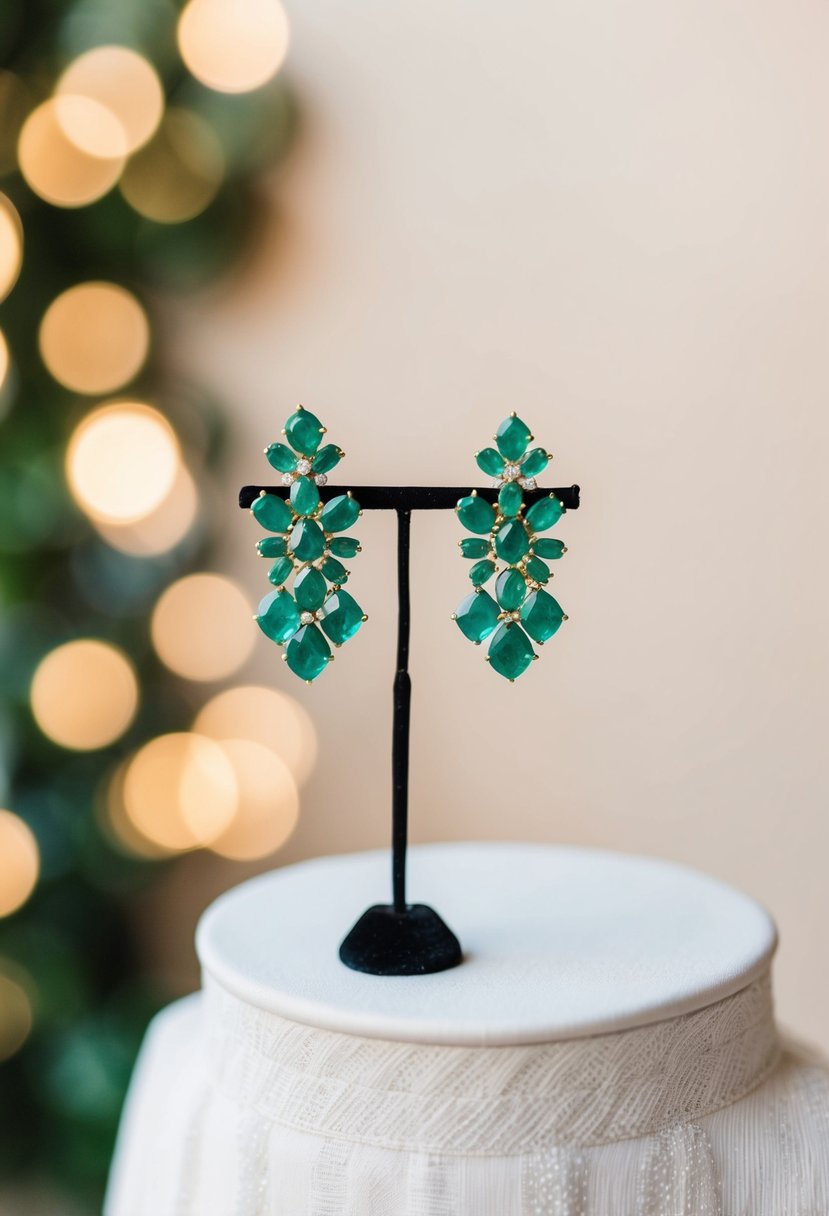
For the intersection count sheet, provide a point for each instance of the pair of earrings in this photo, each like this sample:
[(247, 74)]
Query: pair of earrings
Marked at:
[(307, 543)]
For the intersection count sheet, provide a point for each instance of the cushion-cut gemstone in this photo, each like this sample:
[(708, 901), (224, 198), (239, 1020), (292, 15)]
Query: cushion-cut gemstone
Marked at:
[(512, 542), (490, 462), (534, 462), (510, 590), (280, 570), (342, 616), (272, 513), (537, 570), (549, 547), (510, 499), (512, 438), (344, 546), (304, 431), (327, 458), (471, 546), (271, 546), (340, 513), (481, 571), (541, 615), (546, 512), (278, 616), (334, 571), (309, 589), (307, 540), (308, 653), (476, 514), (510, 653), (477, 616), (305, 497), (281, 457)]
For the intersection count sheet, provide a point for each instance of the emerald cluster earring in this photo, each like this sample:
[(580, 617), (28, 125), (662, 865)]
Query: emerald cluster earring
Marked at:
[(304, 541), (506, 546)]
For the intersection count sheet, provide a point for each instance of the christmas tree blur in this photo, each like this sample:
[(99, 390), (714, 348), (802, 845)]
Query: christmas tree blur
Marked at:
[(132, 136)]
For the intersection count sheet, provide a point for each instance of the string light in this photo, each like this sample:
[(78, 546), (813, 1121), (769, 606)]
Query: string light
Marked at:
[(55, 166), (127, 86), (201, 627), (265, 716), (11, 245), (178, 173), (16, 1018), (268, 803), (233, 45), (106, 682), (19, 863), (94, 337)]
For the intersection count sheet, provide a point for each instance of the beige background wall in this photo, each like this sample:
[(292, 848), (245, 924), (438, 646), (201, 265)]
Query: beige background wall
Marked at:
[(612, 217)]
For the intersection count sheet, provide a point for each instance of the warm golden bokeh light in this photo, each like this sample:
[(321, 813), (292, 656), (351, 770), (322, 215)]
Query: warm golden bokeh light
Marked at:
[(84, 694), (178, 173), (55, 167), (265, 716), (201, 627), (163, 528), (94, 337), (16, 1017), (268, 806), (11, 245), (126, 86), (233, 45), (122, 462), (180, 791), (19, 863), (116, 824), (5, 362)]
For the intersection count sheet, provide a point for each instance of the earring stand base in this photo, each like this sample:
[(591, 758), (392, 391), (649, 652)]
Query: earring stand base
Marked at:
[(413, 942)]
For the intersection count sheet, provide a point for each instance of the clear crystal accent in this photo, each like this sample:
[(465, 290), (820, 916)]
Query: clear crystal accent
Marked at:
[(527, 483), (287, 479), (303, 467), (307, 618), (511, 471), (321, 479)]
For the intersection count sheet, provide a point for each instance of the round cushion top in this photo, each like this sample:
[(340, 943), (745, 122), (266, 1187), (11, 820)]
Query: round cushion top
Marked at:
[(558, 943)]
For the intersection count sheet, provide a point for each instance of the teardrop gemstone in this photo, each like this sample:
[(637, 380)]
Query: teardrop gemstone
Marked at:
[(344, 546), (334, 571), (308, 653), (477, 616), (278, 616), (272, 513), (340, 513), (305, 497), (510, 499), (512, 438), (490, 462), (549, 547), (510, 653), (309, 589), (510, 590), (280, 571), (281, 458), (541, 615), (307, 540), (544, 513), (471, 546), (512, 542), (327, 458), (342, 616), (481, 571), (304, 431), (534, 463), (476, 514)]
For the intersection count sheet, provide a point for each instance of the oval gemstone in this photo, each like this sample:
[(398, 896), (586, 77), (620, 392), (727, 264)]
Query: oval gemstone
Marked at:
[(490, 462), (304, 431), (272, 513), (308, 653), (534, 462), (476, 514), (549, 547), (280, 570), (305, 497), (541, 615), (271, 546), (340, 513), (344, 546), (307, 540), (510, 590), (278, 616), (510, 498), (327, 458), (512, 542), (512, 438), (481, 571), (309, 589), (471, 546), (342, 616), (537, 570), (477, 616), (281, 457), (546, 512), (510, 653), (334, 571)]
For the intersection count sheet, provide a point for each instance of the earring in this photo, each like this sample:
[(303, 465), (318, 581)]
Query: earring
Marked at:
[(305, 545), (506, 546)]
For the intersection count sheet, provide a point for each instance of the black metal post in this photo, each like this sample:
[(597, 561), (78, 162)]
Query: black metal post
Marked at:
[(402, 717)]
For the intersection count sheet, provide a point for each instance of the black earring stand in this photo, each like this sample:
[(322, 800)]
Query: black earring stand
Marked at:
[(402, 938)]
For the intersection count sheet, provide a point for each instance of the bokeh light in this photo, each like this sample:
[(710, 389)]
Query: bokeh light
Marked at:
[(265, 716), (111, 815), (5, 362), (19, 863), (94, 337), (268, 803), (122, 462), (11, 245), (84, 694), (16, 1016), (178, 173), (233, 45), (180, 791), (201, 627), (126, 86), (163, 528), (55, 167)]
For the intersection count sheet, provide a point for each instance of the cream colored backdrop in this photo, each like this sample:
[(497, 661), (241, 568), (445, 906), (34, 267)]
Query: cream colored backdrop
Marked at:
[(615, 219)]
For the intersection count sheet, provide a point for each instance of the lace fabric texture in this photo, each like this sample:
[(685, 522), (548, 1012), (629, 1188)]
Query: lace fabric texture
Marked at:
[(237, 1112)]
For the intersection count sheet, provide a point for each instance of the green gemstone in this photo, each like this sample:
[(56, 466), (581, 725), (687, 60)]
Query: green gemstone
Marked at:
[(543, 514), (307, 540), (271, 546), (476, 514), (342, 616), (309, 589), (278, 616), (512, 438), (490, 462), (481, 571), (541, 615), (305, 497), (308, 653), (280, 570), (281, 457), (272, 513), (304, 431), (334, 571), (340, 513), (549, 548), (537, 570), (477, 616), (471, 546), (512, 542), (534, 462), (510, 590), (510, 498), (510, 653), (344, 546), (327, 458)]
